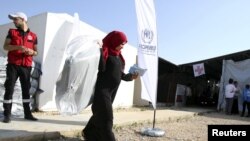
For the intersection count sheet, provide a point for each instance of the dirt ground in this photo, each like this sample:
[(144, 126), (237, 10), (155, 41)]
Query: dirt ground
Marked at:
[(189, 129)]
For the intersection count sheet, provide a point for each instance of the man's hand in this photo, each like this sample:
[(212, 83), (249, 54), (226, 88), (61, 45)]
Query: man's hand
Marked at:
[(29, 51), (23, 49)]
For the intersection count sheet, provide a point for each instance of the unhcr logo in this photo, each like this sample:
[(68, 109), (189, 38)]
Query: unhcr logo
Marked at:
[(147, 37)]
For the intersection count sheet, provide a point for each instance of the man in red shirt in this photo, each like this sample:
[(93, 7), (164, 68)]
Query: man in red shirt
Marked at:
[(21, 45)]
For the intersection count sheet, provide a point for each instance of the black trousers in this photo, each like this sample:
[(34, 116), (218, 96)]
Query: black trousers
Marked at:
[(229, 105), (13, 72), (245, 104), (235, 109)]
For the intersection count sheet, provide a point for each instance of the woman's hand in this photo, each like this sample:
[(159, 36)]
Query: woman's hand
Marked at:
[(135, 75), (99, 43)]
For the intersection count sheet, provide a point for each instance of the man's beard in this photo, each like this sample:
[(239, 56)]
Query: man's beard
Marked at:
[(18, 26)]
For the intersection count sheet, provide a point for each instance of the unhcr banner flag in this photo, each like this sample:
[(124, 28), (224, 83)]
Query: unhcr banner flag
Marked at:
[(147, 48)]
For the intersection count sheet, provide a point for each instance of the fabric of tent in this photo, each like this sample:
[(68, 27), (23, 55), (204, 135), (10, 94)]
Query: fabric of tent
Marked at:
[(238, 71)]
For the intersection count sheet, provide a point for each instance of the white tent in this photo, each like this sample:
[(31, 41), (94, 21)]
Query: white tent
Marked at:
[(55, 31), (238, 71)]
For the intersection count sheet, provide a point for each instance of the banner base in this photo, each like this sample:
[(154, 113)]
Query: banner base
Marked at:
[(153, 132)]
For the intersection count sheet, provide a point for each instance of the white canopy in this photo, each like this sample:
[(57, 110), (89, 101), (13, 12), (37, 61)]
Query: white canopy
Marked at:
[(238, 71)]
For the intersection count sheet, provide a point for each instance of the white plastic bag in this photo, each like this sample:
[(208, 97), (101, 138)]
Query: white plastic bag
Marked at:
[(75, 86)]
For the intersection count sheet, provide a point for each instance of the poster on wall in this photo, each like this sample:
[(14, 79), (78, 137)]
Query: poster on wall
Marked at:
[(180, 98)]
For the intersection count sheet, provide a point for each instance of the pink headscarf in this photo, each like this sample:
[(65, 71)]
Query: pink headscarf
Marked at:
[(110, 42)]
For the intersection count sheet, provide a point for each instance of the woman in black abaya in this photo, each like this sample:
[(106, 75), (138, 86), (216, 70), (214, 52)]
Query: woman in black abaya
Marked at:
[(111, 67)]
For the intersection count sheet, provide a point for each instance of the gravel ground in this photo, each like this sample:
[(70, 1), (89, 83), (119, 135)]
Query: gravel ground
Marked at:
[(190, 129)]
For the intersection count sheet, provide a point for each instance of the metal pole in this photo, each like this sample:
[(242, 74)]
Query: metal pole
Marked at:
[(154, 118)]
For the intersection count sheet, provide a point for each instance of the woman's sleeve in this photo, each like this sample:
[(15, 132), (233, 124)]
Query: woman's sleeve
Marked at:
[(127, 77)]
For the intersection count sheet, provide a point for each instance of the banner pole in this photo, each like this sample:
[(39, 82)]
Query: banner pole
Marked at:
[(154, 118)]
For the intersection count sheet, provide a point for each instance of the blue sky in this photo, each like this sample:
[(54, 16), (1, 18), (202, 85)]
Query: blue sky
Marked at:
[(188, 30)]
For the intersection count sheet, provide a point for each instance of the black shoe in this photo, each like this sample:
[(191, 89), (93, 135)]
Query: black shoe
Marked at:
[(6, 120), (30, 118), (83, 133), (86, 137)]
